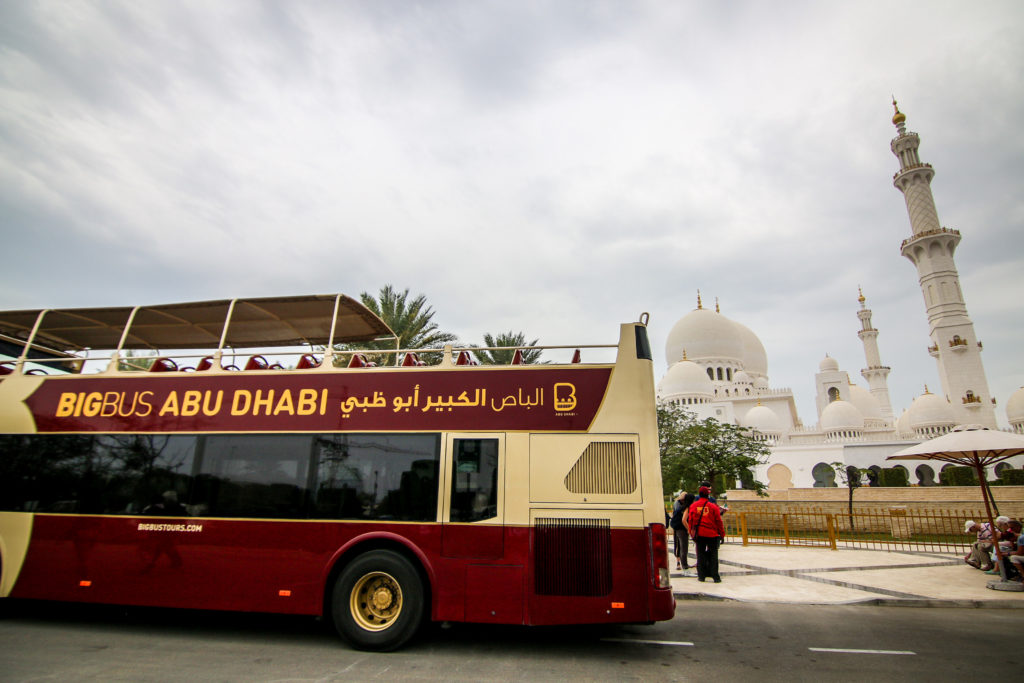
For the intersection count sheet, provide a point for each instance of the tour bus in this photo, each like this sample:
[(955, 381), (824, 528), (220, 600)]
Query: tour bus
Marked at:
[(244, 455)]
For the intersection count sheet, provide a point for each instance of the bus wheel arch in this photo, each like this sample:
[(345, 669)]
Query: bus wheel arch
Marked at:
[(377, 594)]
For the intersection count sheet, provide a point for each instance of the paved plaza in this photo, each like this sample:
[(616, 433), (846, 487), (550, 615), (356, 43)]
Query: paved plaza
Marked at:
[(768, 573)]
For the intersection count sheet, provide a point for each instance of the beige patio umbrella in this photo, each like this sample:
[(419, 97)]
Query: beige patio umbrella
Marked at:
[(973, 446)]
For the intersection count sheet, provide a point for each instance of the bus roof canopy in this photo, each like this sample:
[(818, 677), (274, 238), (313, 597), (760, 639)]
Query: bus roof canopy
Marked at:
[(271, 321)]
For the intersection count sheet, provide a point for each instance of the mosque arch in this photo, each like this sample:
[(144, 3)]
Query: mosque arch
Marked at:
[(872, 474), (1002, 467), (925, 475), (780, 477), (833, 394), (824, 476)]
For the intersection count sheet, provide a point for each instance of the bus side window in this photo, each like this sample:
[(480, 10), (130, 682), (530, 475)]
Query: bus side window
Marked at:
[(474, 480)]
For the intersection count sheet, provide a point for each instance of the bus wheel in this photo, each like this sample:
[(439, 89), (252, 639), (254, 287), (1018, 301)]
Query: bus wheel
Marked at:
[(377, 603)]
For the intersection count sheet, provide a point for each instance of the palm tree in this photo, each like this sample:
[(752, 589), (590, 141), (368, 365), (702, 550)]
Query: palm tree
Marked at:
[(513, 340), (412, 321)]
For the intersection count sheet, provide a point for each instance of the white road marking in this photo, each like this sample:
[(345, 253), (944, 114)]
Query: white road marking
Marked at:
[(680, 643), (861, 652)]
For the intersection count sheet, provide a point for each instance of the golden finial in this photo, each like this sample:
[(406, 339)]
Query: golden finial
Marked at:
[(860, 298), (699, 304), (684, 355), (717, 309), (926, 389), (898, 117)]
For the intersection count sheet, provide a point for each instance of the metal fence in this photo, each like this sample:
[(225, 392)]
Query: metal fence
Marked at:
[(890, 529)]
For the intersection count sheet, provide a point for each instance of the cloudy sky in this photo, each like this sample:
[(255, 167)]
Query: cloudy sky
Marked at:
[(550, 167)]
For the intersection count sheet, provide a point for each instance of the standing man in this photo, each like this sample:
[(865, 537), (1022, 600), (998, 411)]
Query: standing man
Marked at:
[(705, 522)]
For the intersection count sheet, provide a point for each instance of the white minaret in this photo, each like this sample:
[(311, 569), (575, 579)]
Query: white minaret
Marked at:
[(875, 373), (930, 247)]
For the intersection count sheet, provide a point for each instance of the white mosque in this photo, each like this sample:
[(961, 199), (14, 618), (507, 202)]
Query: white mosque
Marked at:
[(718, 368)]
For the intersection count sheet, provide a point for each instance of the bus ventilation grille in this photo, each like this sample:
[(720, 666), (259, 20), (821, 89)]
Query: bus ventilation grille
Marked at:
[(573, 556), (605, 467)]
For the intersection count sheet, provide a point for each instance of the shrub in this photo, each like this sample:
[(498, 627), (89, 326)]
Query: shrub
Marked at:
[(959, 476), (893, 476), (1011, 477)]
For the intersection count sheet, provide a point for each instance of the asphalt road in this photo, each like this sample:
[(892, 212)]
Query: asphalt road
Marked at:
[(707, 641)]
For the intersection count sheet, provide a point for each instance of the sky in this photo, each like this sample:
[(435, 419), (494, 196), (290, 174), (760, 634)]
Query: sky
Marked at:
[(555, 168)]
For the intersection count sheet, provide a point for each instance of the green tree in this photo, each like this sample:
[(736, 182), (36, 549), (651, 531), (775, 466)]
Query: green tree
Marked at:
[(695, 450), (411, 320), (850, 476), (513, 340)]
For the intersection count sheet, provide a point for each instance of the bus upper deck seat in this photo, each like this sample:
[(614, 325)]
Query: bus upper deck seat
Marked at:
[(411, 360), (307, 362), (359, 361), (163, 365), (257, 363)]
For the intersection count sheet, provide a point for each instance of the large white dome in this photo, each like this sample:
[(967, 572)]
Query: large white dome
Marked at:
[(704, 334), (708, 335), (930, 410), (866, 403), (755, 360), (685, 378), (841, 415)]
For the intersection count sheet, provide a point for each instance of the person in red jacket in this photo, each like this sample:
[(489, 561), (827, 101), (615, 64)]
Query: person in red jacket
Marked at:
[(704, 520)]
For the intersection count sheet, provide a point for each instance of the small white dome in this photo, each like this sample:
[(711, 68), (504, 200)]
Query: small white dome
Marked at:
[(761, 383), (763, 419), (841, 415), (741, 378), (930, 410), (686, 378), (903, 424), (1015, 407), (866, 403), (828, 364)]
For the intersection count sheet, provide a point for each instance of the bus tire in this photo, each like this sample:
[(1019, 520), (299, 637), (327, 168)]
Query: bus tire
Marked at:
[(378, 603)]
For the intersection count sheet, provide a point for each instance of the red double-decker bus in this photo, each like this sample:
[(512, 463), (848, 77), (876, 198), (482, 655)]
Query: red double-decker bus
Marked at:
[(250, 465)]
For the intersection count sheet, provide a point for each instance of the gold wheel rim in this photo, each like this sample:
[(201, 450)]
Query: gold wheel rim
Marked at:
[(376, 601)]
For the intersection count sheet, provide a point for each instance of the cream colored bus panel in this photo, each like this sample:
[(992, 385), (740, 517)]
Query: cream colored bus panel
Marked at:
[(581, 468), (15, 417), (618, 519), (15, 531)]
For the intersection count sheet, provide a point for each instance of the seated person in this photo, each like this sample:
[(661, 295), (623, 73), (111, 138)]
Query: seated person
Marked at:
[(1014, 560), (979, 555)]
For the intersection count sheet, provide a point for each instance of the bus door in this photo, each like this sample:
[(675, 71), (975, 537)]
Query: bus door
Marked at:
[(473, 527), (472, 508)]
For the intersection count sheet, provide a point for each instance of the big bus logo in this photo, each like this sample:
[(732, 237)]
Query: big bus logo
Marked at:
[(565, 396)]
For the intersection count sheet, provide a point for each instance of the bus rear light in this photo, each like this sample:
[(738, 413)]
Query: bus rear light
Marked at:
[(284, 593), (618, 605), (659, 556), (84, 584)]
